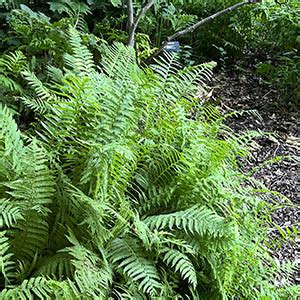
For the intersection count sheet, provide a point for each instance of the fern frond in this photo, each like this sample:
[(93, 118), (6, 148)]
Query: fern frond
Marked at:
[(30, 236), (181, 263), (119, 62), (7, 265), (36, 104), (38, 287), (58, 266), (9, 84), (81, 60), (37, 185), (195, 220), (94, 214), (11, 145), (14, 62), (10, 213), (166, 66), (92, 275), (127, 255), (40, 89)]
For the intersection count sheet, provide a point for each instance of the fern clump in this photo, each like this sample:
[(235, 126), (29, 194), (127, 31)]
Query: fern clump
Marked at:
[(129, 189)]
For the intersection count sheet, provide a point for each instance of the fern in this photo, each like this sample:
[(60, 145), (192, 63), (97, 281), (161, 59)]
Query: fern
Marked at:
[(11, 146), (128, 256), (34, 287), (180, 262), (44, 94), (128, 188), (9, 4), (81, 60), (7, 265), (10, 213), (195, 220), (37, 186)]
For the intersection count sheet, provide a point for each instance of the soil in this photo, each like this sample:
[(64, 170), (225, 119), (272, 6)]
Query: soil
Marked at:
[(243, 90)]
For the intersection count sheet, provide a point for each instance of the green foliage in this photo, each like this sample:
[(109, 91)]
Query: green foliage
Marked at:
[(129, 189), (11, 66), (283, 74)]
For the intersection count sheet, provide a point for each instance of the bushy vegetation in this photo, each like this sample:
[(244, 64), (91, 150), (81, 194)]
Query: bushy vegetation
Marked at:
[(266, 30), (119, 181)]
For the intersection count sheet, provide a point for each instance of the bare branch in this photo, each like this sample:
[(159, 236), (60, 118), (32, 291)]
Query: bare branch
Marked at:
[(143, 11), (200, 23), (137, 20)]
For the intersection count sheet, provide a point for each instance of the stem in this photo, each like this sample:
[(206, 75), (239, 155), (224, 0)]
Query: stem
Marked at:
[(130, 19), (135, 23)]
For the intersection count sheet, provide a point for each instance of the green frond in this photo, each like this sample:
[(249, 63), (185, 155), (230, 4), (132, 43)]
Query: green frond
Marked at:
[(57, 266), (119, 62), (127, 256), (180, 263), (55, 74), (195, 220), (9, 84), (81, 59), (36, 104), (36, 187), (119, 113), (10, 213), (93, 275), (11, 65), (166, 66), (93, 214), (14, 62), (7, 265), (29, 236), (11, 145), (154, 198), (44, 94), (36, 287)]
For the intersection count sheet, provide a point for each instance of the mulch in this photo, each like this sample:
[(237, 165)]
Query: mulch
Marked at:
[(243, 90)]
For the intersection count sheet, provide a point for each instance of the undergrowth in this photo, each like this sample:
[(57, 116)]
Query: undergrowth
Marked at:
[(128, 187)]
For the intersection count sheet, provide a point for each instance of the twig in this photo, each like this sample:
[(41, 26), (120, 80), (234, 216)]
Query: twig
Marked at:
[(198, 24)]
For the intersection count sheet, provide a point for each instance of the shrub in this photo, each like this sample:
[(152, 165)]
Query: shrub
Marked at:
[(129, 189)]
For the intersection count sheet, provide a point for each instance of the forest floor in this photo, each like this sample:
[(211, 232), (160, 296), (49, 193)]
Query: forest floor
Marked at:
[(245, 91)]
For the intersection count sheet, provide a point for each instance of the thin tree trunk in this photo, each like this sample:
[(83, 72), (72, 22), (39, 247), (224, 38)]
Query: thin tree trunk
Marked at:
[(136, 22), (130, 21)]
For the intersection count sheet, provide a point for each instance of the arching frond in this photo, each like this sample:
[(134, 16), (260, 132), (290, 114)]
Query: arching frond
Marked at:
[(58, 266), (195, 220), (7, 265), (14, 62), (10, 213), (127, 255), (35, 287), (181, 263)]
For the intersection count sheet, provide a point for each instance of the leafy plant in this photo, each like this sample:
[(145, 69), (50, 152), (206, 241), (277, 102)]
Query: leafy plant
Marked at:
[(282, 73), (129, 189)]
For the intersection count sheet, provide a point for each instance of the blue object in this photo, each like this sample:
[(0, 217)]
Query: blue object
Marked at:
[(172, 46)]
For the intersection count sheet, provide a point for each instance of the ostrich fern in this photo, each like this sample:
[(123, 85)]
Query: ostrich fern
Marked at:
[(123, 193)]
